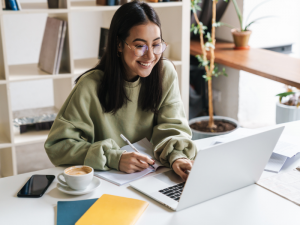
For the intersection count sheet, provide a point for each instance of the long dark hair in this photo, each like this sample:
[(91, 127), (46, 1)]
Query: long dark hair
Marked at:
[(112, 93)]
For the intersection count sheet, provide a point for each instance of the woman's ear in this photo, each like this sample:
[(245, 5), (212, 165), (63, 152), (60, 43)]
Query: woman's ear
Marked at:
[(120, 47)]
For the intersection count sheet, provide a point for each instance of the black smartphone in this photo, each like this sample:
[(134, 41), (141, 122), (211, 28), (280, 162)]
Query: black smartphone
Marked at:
[(36, 186)]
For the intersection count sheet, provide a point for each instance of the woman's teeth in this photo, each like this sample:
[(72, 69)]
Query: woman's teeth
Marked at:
[(144, 64)]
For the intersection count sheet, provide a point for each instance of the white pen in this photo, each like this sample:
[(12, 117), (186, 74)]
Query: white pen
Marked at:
[(131, 145)]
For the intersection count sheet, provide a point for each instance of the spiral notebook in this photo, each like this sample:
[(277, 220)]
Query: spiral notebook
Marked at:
[(121, 178)]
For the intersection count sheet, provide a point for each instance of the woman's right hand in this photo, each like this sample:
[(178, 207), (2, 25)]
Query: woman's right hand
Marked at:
[(131, 162)]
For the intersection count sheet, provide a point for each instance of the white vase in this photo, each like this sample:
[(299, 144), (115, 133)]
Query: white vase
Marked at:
[(200, 134), (286, 113)]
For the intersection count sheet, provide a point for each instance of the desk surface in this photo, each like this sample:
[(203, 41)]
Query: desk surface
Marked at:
[(265, 63), (250, 205)]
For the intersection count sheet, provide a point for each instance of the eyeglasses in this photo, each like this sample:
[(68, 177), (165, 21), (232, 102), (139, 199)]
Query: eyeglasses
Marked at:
[(141, 50)]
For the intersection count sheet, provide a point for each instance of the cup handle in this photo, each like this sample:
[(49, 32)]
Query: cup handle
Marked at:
[(60, 180)]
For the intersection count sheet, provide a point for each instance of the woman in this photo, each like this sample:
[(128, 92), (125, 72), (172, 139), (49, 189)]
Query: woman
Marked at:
[(132, 91)]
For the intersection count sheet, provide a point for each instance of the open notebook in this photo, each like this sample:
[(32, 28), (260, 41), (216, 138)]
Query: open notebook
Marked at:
[(120, 178)]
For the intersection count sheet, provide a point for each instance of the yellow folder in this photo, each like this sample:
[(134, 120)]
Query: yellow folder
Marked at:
[(111, 210)]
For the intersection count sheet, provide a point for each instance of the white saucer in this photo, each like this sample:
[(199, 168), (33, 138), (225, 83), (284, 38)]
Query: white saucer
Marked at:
[(93, 185)]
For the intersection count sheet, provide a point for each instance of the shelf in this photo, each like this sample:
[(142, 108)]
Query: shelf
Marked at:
[(272, 65), (3, 81), (38, 7), (91, 6), (31, 137), (25, 72), (4, 144), (82, 65)]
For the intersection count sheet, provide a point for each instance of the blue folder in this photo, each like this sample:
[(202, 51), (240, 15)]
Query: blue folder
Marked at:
[(68, 212)]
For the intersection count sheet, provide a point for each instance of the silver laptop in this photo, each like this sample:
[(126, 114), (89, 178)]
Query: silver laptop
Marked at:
[(217, 170)]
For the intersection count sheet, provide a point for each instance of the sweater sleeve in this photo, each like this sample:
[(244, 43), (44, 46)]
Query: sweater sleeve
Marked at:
[(67, 145), (172, 135), (72, 138)]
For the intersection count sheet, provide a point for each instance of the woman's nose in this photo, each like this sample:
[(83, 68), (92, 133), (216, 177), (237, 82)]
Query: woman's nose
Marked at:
[(149, 54)]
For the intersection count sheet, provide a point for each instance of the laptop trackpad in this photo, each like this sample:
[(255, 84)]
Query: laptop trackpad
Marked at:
[(169, 177)]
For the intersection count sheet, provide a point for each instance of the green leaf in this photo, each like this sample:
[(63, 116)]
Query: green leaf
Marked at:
[(209, 45), (197, 7), (238, 12), (226, 25), (254, 21), (217, 24), (285, 94)]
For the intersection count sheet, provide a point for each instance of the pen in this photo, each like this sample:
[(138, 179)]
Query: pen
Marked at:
[(134, 148)]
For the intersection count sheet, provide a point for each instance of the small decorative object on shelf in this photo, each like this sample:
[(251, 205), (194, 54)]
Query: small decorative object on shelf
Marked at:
[(101, 2), (34, 119), (11, 5), (53, 4), (110, 2)]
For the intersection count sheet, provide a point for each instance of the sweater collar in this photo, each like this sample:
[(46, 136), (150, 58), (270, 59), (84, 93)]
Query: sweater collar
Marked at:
[(132, 84)]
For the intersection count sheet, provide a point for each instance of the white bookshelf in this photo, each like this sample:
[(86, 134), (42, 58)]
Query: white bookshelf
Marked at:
[(80, 54)]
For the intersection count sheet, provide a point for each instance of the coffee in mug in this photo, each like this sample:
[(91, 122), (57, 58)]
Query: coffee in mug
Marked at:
[(77, 177)]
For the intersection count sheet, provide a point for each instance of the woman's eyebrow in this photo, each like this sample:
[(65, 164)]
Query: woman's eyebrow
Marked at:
[(139, 39)]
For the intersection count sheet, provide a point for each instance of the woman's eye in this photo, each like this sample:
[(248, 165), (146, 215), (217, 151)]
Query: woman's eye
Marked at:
[(140, 46)]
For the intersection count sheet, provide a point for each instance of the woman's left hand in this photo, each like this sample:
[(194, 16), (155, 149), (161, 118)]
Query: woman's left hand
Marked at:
[(180, 166)]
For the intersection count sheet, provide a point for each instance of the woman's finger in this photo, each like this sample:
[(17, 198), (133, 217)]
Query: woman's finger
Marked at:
[(144, 158)]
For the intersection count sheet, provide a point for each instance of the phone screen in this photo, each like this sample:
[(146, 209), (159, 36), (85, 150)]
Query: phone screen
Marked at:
[(36, 186)]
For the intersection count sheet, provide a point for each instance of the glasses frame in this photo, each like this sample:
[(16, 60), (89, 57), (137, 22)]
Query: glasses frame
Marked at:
[(147, 47)]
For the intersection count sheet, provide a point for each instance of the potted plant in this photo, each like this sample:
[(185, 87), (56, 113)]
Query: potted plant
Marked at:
[(287, 108), (242, 34), (208, 126)]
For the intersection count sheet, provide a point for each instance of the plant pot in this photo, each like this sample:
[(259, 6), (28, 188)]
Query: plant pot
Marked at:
[(200, 134), (241, 39), (286, 113)]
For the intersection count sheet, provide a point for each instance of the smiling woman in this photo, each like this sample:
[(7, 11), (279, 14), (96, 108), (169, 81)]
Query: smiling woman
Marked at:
[(132, 91)]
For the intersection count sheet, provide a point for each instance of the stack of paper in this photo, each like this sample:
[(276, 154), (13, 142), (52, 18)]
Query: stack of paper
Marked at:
[(286, 185)]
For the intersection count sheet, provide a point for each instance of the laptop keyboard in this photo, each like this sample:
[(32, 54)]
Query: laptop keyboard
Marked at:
[(173, 192)]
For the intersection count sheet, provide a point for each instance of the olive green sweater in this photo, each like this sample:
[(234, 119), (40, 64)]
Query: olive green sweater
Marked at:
[(83, 134)]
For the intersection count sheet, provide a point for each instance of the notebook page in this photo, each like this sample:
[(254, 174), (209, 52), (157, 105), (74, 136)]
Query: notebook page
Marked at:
[(120, 178)]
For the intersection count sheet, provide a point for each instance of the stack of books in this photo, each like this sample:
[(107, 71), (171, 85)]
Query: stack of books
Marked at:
[(108, 209), (11, 5), (52, 45)]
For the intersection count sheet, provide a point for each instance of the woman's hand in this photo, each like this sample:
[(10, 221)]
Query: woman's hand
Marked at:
[(180, 166), (131, 162)]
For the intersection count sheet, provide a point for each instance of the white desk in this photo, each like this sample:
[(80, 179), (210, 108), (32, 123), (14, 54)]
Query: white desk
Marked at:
[(252, 205)]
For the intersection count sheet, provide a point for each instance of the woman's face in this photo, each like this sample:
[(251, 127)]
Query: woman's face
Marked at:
[(145, 34)]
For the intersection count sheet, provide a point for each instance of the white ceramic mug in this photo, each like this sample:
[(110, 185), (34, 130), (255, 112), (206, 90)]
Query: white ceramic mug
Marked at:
[(77, 177)]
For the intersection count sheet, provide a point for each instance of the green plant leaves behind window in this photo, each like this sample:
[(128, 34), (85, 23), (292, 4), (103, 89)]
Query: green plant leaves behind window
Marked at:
[(281, 95), (194, 5)]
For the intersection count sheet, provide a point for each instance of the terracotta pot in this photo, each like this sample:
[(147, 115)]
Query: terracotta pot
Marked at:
[(241, 39), (101, 2)]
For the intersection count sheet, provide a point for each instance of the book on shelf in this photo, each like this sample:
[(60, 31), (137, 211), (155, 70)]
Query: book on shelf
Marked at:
[(103, 41), (61, 46), (18, 4), (11, 5), (52, 45)]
